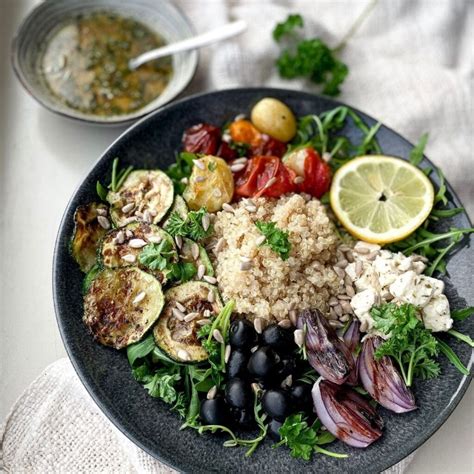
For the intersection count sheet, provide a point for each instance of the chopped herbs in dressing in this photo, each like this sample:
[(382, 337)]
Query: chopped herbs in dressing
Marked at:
[(85, 64)]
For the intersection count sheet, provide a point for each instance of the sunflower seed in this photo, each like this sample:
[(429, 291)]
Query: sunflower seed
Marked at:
[(203, 322), (211, 297), (179, 241), (342, 263), (195, 250), (361, 250), (260, 240), (358, 268), (104, 222), (340, 272), (292, 305), (201, 271), (227, 352), (240, 161), (344, 318), (287, 381), (299, 337), (338, 310), (344, 248), (128, 207), (238, 167), (180, 306), (191, 316), (137, 243), (350, 290), (239, 117), (336, 324), (227, 207), (251, 208), (332, 314), (254, 349), (199, 164), (270, 182), (285, 324), (140, 297), (206, 222), (216, 334), (217, 193), (129, 233), (258, 325), (333, 301), (101, 212), (147, 217), (226, 137), (207, 313), (184, 180), (245, 266), (244, 258), (178, 314), (129, 258), (344, 297), (372, 255), (154, 239), (212, 393), (364, 325), (256, 388), (298, 180), (200, 179), (293, 317), (219, 245), (139, 214), (120, 237), (326, 156), (350, 257), (348, 280), (183, 355), (346, 307), (209, 279)]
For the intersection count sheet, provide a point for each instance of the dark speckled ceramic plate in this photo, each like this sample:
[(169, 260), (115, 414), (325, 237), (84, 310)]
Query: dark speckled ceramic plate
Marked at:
[(151, 143)]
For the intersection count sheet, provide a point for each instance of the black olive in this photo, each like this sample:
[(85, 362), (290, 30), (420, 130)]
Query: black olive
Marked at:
[(285, 367), (215, 412), (263, 362), (278, 338), (244, 418), (238, 393), (273, 428), (301, 395), (242, 334), (276, 404), (237, 365)]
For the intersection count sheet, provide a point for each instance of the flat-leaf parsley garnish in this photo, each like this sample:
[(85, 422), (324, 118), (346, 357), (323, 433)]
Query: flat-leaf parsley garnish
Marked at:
[(276, 238), (191, 227)]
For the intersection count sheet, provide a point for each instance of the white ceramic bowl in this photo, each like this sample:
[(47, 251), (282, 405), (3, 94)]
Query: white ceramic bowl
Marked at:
[(159, 15)]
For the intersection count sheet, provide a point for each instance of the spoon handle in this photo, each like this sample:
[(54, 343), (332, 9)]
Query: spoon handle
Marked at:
[(222, 32)]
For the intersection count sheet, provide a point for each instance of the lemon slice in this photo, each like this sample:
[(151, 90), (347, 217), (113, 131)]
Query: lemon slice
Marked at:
[(381, 199)]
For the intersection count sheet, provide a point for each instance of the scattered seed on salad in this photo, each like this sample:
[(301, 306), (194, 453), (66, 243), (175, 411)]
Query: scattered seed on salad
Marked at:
[(180, 306), (179, 241), (340, 272), (245, 266), (338, 310), (199, 164), (184, 355), (298, 180), (203, 322), (258, 325), (220, 245), (147, 217), (240, 161), (139, 214), (332, 314), (270, 182), (287, 381), (210, 279), (251, 208), (217, 335), (101, 212), (285, 323), (120, 237), (200, 179), (335, 324), (211, 394), (350, 290), (293, 317), (227, 353), (139, 298), (207, 313), (129, 258), (103, 222), (184, 180), (299, 337), (155, 239), (346, 307), (238, 167), (254, 349), (217, 193), (201, 271), (178, 314), (206, 222), (128, 208), (195, 251), (333, 301), (260, 239), (129, 233), (211, 297), (191, 316), (137, 243), (227, 207), (344, 318), (244, 258), (342, 264), (362, 250), (326, 156)]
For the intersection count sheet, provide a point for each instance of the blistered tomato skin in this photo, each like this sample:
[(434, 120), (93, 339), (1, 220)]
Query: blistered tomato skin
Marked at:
[(202, 138)]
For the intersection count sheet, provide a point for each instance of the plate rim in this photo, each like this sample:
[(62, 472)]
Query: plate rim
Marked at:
[(446, 412)]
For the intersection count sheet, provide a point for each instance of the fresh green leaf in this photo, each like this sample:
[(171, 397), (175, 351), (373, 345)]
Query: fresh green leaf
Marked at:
[(140, 349), (181, 170), (240, 148), (287, 27), (190, 227), (462, 337), (101, 191), (462, 314), (211, 166), (163, 384), (183, 271), (116, 181), (276, 238), (452, 357), (158, 257), (416, 153), (90, 277)]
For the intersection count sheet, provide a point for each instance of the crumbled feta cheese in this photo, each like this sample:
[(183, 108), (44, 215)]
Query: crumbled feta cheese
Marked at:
[(362, 303), (436, 315)]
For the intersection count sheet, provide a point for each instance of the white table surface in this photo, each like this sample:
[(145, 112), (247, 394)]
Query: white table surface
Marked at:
[(42, 159)]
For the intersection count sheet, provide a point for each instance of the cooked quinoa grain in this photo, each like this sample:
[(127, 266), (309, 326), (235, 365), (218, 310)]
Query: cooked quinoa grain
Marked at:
[(270, 287)]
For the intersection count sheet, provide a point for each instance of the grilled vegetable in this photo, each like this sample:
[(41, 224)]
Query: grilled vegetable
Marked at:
[(190, 249), (145, 194), (122, 247), (176, 330), (87, 234), (121, 305), (179, 206)]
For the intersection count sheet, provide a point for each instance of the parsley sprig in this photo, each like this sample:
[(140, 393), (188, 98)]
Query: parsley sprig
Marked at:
[(276, 238), (191, 226), (182, 168), (303, 439), (116, 180)]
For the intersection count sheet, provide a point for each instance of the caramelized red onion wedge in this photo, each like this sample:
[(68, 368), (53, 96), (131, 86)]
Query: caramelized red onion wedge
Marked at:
[(352, 336), (346, 414), (327, 354), (382, 380)]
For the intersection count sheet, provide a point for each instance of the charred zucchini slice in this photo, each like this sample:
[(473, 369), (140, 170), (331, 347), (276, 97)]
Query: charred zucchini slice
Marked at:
[(180, 207), (122, 247), (121, 305), (177, 337), (188, 252), (87, 234), (145, 195)]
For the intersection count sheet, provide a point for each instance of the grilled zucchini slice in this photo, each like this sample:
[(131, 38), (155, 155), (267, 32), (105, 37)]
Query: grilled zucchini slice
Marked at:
[(187, 254), (87, 235), (121, 247), (177, 337), (180, 207), (121, 305), (145, 192)]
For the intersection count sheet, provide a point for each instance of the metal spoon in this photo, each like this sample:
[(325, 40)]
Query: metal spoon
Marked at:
[(218, 34)]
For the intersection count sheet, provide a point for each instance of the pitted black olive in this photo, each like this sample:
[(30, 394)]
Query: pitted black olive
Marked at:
[(301, 395), (273, 428), (278, 338), (262, 362), (215, 412), (285, 367), (238, 393), (242, 334), (237, 365), (276, 404), (244, 418)]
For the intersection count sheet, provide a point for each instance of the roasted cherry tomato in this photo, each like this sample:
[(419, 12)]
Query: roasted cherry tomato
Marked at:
[(307, 164), (242, 131), (226, 152), (269, 147), (202, 138), (264, 176)]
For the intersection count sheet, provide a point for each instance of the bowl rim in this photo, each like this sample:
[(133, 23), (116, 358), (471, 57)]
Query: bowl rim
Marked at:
[(120, 120), (428, 433)]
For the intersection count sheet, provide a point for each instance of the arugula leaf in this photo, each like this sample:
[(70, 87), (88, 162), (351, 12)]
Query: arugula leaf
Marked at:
[(462, 337), (276, 238), (101, 191), (158, 256), (452, 357), (191, 226), (287, 27), (462, 314), (416, 153), (180, 170), (182, 271), (140, 349), (116, 181), (303, 439), (410, 343)]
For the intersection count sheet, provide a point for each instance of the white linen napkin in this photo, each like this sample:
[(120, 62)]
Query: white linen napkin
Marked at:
[(410, 67)]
